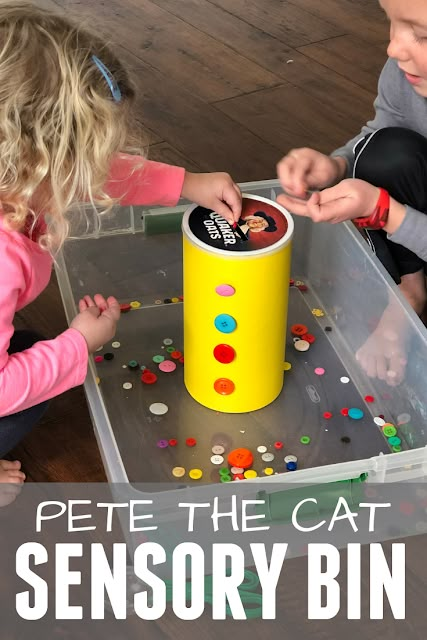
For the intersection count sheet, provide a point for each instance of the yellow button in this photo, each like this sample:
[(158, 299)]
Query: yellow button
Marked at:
[(287, 366), (135, 304), (224, 386), (178, 472), (250, 473), (268, 471), (98, 380), (195, 474), (175, 299)]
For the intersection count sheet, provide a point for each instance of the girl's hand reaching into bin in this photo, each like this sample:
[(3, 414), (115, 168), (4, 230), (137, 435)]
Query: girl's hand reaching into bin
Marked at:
[(215, 191), (97, 320)]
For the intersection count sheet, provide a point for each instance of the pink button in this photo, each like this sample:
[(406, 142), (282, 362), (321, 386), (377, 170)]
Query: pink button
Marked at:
[(225, 290), (99, 358), (167, 366), (319, 371)]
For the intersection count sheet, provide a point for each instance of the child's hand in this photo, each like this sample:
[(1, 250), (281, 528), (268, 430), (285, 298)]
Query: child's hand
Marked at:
[(215, 191), (304, 169), (97, 320), (351, 198)]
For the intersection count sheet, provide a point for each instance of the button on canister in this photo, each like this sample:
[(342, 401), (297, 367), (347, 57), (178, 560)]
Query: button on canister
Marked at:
[(225, 323), (225, 290), (224, 353), (224, 386)]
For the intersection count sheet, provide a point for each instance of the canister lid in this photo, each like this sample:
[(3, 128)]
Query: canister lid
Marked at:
[(263, 226)]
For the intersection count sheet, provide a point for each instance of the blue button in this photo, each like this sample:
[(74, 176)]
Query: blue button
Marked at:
[(225, 323), (356, 414)]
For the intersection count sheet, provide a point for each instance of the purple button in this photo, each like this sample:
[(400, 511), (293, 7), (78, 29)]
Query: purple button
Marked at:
[(162, 444), (225, 290)]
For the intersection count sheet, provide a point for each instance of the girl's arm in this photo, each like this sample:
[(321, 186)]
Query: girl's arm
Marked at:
[(135, 180), (49, 367)]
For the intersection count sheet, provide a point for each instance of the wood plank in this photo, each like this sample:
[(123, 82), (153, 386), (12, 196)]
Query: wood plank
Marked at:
[(363, 19), (164, 152), (207, 68), (290, 23), (343, 55), (204, 134), (293, 119)]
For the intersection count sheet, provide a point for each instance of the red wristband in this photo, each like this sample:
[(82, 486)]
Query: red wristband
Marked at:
[(379, 216)]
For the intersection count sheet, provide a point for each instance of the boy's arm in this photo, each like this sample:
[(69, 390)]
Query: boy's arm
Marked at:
[(387, 114)]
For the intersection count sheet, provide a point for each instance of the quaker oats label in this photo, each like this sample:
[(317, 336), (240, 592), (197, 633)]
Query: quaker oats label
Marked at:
[(261, 225)]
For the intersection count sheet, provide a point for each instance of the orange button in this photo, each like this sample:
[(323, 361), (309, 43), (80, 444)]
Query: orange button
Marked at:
[(299, 329), (224, 386), (242, 458)]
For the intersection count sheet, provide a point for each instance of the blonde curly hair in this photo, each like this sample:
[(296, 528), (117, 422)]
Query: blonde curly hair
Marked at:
[(59, 123)]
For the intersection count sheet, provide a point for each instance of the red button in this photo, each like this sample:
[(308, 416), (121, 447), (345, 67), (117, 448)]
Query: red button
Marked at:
[(344, 411), (173, 442), (125, 307), (299, 329), (182, 360), (327, 415), (278, 445), (176, 355), (224, 386), (224, 353), (148, 377), (240, 458), (369, 398), (308, 337), (191, 442)]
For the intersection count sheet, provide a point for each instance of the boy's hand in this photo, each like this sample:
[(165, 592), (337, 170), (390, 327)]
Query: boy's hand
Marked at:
[(304, 169), (351, 198), (97, 320), (215, 191)]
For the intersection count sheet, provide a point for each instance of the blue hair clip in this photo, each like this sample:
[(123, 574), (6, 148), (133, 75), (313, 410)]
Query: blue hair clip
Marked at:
[(114, 87)]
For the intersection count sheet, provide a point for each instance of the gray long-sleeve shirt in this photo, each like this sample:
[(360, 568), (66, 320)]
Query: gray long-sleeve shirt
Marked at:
[(397, 105)]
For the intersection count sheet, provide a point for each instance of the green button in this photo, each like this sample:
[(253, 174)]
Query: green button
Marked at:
[(396, 449), (224, 471), (389, 430), (305, 440), (158, 359), (225, 478), (170, 349), (394, 441), (132, 364)]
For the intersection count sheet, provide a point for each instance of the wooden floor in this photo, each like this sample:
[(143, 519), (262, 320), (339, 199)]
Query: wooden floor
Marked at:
[(222, 85)]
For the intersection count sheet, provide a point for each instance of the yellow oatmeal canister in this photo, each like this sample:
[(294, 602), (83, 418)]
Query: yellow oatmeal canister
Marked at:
[(236, 286)]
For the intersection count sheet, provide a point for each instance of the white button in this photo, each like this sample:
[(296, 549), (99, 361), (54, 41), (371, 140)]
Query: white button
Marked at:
[(379, 421), (267, 457), (344, 380), (168, 342), (158, 408), (290, 459), (261, 448), (217, 459), (302, 345), (127, 385), (115, 344), (236, 470), (218, 449)]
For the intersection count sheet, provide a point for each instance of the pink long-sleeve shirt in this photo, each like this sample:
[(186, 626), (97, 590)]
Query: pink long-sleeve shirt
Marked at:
[(51, 367)]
